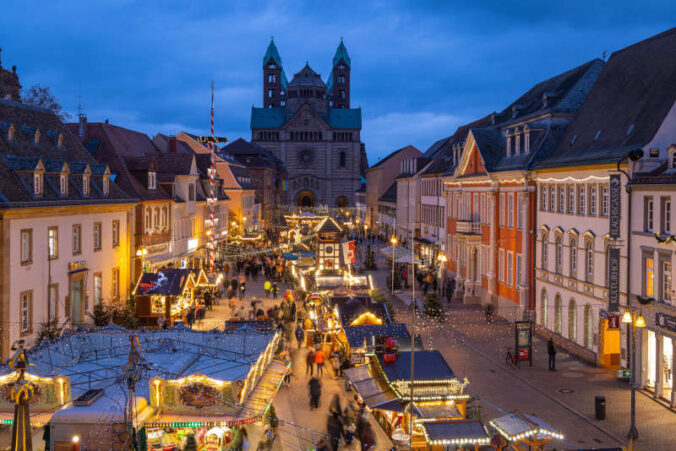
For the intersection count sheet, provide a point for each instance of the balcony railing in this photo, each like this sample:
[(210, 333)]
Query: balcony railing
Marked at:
[(469, 227), (150, 239)]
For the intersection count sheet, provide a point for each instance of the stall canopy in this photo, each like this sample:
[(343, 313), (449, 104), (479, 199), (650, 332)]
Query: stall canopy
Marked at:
[(167, 282), (354, 312), (457, 432), (428, 365), (406, 259), (371, 333), (398, 251), (517, 426)]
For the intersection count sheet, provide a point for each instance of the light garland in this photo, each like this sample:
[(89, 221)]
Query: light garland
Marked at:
[(573, 179), (533, 432)]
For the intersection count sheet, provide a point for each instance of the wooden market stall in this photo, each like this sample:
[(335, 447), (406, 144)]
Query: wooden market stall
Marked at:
[(167, 293), (524, 431), (463, 433)]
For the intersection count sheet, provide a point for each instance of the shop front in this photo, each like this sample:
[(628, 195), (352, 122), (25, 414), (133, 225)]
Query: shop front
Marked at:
[(657, 356), (168, 293)]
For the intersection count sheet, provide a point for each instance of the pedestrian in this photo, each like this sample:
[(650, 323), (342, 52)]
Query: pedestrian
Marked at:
[(300, 334), (551, 350), (367, 438), (334, 426), (267, 285), (275, 290), (315, 392), (335, 408), (190, 317), (207, 299), (309, 362), (242, 289), (350, 423), (321, 445), (160, 321), (319, 360)]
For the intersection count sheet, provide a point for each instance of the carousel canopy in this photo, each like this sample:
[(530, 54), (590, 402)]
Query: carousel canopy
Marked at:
[(167, 282), (428, 365)]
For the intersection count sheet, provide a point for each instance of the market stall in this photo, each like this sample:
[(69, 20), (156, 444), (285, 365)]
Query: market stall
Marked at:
[(363, 342), (355, 313), (523, 431), (168, 293), (439, 435)]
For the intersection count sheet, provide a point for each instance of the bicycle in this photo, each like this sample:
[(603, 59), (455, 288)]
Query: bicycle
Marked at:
[(510, 358)]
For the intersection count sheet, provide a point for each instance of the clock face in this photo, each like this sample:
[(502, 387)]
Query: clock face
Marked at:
[(329, 250), (306, 157)]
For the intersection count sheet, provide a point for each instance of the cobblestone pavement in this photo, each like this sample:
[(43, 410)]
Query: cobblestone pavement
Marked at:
[(565, 398), (300, 427)]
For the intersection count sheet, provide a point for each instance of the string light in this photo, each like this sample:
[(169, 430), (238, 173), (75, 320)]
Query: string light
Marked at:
[(573, 179)]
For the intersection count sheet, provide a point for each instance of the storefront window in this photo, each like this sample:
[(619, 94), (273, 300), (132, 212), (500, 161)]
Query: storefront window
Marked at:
[(668, 353), (652, 366)]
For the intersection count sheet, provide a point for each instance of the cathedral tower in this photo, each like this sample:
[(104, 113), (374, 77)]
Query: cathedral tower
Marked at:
[(340, 76), (274, 80)]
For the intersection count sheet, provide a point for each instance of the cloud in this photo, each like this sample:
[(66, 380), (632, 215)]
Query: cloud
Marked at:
[(389, 132)]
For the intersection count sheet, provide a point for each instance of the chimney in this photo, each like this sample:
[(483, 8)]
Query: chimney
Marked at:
[(172, 144), (82, 131)]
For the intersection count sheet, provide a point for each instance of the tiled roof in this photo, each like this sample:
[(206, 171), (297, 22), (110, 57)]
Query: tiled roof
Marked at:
[(341, 53), (390, 195), (129, 154), (307, 78), (625, 108), (336, 118), (272, 52), (381, 162), (16, 188), (252, 155), (242, 176)]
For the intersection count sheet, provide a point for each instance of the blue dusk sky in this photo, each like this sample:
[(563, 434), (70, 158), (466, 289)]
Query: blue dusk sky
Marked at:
[(419, 68)]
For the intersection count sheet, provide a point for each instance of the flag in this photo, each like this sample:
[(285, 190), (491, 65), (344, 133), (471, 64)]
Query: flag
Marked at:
[(349, 256)]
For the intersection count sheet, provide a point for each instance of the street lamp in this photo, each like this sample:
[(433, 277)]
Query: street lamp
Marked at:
[(142, 253), (630, 317), (393, 240), (366, 238), (441, 258)]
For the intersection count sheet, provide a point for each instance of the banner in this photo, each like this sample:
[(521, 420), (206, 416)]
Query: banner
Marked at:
[(614, 218), (614, 279), (349, 256)]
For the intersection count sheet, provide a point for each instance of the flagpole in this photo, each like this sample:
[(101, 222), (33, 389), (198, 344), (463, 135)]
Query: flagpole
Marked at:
[(413, 306), (212, 200)]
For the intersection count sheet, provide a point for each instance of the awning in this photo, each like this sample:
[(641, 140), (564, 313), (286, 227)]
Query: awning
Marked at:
[(257, 402), (406, 259), (398, 251), (446, 411)]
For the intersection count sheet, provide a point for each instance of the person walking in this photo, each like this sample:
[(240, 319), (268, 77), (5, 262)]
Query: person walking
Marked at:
[(300, 334), (319, 360), (275, 290), (315, 392), (367, 438), (309, 362), (334, 426), (551, 350)]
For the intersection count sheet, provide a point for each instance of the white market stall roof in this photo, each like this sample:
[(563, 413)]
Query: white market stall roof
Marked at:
[(517, 426), (406, 259), (398, 251)]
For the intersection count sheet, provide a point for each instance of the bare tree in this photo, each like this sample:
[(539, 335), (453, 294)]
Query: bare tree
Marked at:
[(41, 96)]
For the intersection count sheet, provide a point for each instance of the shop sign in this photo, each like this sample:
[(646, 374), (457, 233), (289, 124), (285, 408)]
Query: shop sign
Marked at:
[(614, 218), (77, 265), (666, 321), (614, 322), (157, 249), (357, 358), (623, 373), (523, 336), (614, 279)]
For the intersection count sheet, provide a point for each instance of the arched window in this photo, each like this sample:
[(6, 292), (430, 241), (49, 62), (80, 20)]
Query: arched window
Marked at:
[(148, 223), (573, 257), (589, 261), (558, 313), (572, 320), (164, 217), (559, 254), (588, 326), (543, 308), (545, 238), (156, 218)]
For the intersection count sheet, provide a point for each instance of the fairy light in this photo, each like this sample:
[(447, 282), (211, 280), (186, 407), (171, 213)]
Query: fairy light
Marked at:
[(589, 178), (61, 394)]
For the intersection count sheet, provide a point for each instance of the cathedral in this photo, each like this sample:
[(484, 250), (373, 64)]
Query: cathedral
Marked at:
[(309, 125)]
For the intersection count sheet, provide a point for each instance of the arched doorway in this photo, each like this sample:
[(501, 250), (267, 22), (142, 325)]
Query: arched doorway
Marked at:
[(306, 198), (341, 202)]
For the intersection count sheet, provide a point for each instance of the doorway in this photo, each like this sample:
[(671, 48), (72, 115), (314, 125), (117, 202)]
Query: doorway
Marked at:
[(306, 198), (76, 296), (609, 346)]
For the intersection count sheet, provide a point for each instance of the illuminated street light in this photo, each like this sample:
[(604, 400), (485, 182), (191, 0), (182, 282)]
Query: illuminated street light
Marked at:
[(630, 317)]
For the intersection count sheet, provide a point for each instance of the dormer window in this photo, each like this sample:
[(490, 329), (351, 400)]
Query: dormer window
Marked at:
[(106, 185), (152, 180), (37, 183), (36, 138), (63, 184), (517, 141), (10, 133), (59, 141), (509, 143), (526, 139), (672, 157), (85, 185)]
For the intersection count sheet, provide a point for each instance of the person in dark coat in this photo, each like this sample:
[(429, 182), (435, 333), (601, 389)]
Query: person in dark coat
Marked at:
[(367, 438), (334, 427), (300, 334), (315, 392), (551, 350), (310, 362)]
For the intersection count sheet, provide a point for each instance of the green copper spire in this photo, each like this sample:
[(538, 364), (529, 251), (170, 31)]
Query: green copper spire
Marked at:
[(272, 52), (341, 52)]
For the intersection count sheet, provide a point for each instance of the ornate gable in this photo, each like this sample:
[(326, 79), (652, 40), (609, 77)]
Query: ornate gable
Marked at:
[(306, 118)]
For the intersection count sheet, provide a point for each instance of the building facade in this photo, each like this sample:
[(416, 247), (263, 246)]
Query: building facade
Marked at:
[(310, 127), (64, 239)]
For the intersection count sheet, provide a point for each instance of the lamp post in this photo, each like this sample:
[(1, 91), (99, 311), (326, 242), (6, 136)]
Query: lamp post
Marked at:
[(393, 240), (366, 228), (142, 253), (441, 258), (630, 317)]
